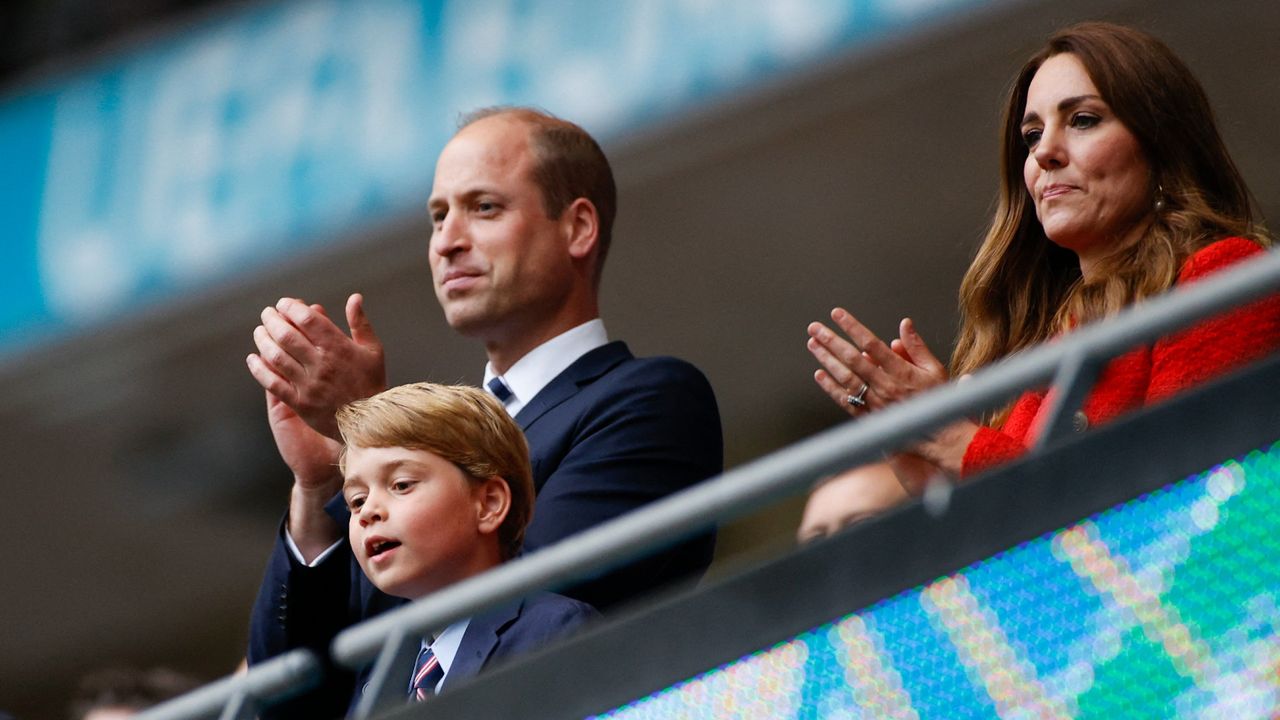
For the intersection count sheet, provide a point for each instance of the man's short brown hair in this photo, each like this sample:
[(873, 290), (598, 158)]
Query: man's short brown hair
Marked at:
[(464, 425), (569, 164)]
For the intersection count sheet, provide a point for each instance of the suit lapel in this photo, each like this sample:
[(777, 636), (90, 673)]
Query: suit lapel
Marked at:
[(479, 642), (583, 371)]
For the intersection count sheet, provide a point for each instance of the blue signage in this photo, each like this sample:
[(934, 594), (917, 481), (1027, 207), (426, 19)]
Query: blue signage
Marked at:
[(246, 138)]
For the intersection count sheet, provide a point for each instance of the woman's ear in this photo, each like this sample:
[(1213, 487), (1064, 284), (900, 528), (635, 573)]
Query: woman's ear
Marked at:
[(493, 502)]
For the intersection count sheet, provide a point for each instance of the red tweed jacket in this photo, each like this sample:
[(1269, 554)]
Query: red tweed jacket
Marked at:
[(1150, 373)]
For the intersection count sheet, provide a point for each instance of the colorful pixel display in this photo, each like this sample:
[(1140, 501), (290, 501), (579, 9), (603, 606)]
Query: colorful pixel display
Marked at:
[(1162, 607)]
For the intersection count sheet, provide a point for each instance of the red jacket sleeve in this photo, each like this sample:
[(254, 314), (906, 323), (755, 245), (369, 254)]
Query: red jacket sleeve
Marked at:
[(991, 447)]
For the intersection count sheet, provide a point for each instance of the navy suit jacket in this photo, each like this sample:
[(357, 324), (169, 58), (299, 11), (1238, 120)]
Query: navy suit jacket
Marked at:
[(609, 434), (507, 631)]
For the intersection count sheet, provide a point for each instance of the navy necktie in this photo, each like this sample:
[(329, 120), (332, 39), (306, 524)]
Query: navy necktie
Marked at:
[(427, 673), (500, 390)]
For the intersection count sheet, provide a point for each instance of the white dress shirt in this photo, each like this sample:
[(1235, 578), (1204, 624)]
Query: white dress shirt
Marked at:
[(544, 363)]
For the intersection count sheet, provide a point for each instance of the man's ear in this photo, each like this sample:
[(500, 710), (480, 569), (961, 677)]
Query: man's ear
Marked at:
[(582, 223), (492, 501)]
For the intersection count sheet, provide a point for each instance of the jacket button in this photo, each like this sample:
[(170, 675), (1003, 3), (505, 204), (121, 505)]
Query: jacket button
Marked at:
[(1079, 421)]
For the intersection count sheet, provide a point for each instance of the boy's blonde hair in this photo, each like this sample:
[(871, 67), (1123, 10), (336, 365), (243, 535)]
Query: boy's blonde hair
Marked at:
[(464, 425)]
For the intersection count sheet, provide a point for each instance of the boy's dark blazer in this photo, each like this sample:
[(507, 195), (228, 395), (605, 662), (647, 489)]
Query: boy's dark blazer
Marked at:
[(508, 631), (609, 434)]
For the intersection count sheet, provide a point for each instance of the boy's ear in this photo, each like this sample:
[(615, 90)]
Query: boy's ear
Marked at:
[(493, 502)]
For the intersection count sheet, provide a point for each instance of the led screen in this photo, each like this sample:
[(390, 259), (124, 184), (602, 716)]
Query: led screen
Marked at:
[(1164, 606)]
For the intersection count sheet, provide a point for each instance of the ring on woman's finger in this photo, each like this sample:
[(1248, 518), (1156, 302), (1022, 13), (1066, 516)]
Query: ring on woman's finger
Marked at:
[(859, 400)]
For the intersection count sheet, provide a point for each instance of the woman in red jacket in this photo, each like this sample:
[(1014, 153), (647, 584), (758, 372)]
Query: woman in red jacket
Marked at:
[(1115, 186)]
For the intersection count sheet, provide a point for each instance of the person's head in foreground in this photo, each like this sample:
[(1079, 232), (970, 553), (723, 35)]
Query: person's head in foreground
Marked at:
[(849, 498), (1113, 173), (438, 482), (119, 693)]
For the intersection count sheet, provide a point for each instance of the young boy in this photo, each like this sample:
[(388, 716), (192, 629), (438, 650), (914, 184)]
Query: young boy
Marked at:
[(438, 483)]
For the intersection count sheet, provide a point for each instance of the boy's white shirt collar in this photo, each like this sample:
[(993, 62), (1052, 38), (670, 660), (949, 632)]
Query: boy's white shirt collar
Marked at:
[(446, 646), (540, 366)]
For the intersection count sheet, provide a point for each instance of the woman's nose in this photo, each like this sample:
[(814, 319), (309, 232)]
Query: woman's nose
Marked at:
[(1050, 152)]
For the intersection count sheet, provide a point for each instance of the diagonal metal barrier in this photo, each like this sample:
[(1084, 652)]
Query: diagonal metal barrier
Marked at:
[(390, 641), (240, 697)]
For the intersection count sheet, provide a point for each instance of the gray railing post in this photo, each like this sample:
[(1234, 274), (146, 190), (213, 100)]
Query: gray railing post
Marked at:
[(1071, 385), (240, 707), (388, 684)]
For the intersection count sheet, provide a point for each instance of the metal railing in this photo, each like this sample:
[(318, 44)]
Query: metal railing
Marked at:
[(391, 640), (240, 697)]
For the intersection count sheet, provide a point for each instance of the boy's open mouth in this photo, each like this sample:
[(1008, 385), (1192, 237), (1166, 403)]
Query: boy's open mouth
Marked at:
[(376, 547)]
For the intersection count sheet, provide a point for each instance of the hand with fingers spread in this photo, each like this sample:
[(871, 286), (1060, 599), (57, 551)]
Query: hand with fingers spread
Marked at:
[(311, 365), (864, 368), (861, 373)]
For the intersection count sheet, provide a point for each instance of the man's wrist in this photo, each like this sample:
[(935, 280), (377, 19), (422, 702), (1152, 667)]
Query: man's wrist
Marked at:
[(311, 528)]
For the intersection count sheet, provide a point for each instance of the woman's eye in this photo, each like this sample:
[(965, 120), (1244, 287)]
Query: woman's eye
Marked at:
[(1083, 120), (1031, 137)]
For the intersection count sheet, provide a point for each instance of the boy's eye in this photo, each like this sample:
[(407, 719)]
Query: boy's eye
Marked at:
[(354, 502), (401, 485)]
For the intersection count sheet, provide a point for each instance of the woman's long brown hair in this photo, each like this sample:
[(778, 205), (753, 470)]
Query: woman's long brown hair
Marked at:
[(1021, 289)]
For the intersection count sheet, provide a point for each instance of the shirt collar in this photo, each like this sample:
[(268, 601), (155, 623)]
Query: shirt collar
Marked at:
[(541, 365), (446, 645)]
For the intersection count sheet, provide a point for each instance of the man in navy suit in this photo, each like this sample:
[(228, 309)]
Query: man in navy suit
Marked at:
[(522, 209), (438, 487)]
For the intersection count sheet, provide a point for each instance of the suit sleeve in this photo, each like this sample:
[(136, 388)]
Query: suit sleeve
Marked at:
[(653, 430), (304, 607), (1221, 343), (298, 606)]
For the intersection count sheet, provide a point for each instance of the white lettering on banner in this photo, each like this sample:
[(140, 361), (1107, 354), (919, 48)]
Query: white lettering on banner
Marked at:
[(252, 137)]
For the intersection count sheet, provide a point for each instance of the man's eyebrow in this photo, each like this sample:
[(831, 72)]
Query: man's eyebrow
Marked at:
[(1064, 105)]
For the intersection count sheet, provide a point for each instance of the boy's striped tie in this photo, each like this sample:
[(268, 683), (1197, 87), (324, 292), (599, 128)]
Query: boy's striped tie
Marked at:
[(426, 675)]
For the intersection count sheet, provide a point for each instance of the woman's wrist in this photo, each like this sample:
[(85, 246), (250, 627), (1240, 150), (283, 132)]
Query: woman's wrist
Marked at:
[(947, 447)]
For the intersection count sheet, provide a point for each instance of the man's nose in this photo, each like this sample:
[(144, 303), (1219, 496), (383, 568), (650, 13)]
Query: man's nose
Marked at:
[(449, 235)]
